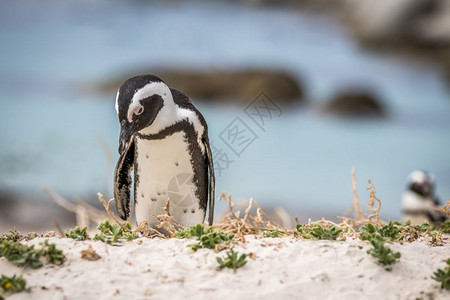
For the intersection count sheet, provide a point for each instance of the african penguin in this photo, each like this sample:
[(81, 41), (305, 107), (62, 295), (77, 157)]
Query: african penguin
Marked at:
[(164, 140), (419, 203)]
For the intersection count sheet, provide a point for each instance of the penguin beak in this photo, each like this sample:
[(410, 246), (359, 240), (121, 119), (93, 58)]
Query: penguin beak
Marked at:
[(127, 132), (132, 124)]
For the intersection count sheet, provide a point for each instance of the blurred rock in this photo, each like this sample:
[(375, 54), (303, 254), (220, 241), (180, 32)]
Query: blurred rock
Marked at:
[(384, 21), (28, 214), (223, 85), (315, 5), (434, 28), (418, 27), (355, 102)]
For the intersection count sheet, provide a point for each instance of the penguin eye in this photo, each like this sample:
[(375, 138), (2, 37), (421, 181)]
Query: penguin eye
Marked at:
[(140, 110)]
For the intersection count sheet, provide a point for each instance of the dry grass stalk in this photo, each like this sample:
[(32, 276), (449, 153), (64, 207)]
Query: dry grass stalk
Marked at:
[(58, 227), (148, 231), (263, 216), (152, 233), (111, 215), (166, 222), (375, 211), (141, 226), (248, 224), (85, 213), (446, 208), (351, 225), (232, 221), (355, 197), (436, 239), (284, 217), (49, 234)]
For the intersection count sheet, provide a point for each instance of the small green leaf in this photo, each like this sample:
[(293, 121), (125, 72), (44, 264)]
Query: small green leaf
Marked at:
[(113, 233), (443, 276), (207, 237), (53, 254), (272, 233), (14, 284), (77, 233), (446, 227), (384, 255), (232, 260), (318, 232)]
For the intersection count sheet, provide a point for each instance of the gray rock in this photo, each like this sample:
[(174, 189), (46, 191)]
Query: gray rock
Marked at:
[(384, 21), (356, 102), (222, 85)]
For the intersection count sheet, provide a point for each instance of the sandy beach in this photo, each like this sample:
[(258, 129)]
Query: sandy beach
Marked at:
[(282, 268), (169, 109)]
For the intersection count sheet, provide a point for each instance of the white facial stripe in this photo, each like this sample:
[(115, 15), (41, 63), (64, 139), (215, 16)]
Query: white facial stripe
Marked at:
[(417, 176), (117, 102), (153, 88)]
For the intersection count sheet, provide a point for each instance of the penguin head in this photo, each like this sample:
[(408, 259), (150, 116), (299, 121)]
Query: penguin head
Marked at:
[(422, 183), (138, 102)]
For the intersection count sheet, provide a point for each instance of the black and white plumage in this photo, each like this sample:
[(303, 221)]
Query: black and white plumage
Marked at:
[(419, 202), (164, 140)]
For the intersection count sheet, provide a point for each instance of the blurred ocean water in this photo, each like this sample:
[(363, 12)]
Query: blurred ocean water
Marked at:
[(54, 132)]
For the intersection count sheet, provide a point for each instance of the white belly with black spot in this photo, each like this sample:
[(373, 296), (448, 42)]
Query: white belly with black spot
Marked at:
[(163, 169)]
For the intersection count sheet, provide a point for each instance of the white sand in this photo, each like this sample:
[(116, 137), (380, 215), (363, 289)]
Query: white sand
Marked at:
[(284, 268)]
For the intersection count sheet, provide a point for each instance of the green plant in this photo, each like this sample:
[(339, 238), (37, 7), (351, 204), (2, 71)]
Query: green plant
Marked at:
[(212, 240), (446, 227), (52, 254), (12, 236), (14, 284), (207, 237), (410, 233), (77, 233), (422, 227), (31, 236), (368, 231), (443, 276), (436, 238), (273, 233), (318, 232), (232, 260), (112, 233), (28, 256), (21, 255), (384, 255), (193, 231), (389, 232)]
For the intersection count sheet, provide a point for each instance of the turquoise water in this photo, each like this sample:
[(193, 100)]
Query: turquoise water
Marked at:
[(53, 129)]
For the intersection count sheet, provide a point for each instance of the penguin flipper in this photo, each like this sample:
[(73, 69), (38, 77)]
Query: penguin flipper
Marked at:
[(211, 181), (123, 181)]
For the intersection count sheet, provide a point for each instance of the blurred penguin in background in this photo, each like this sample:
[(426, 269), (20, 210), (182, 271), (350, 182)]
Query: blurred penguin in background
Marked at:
[(419, 202)]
